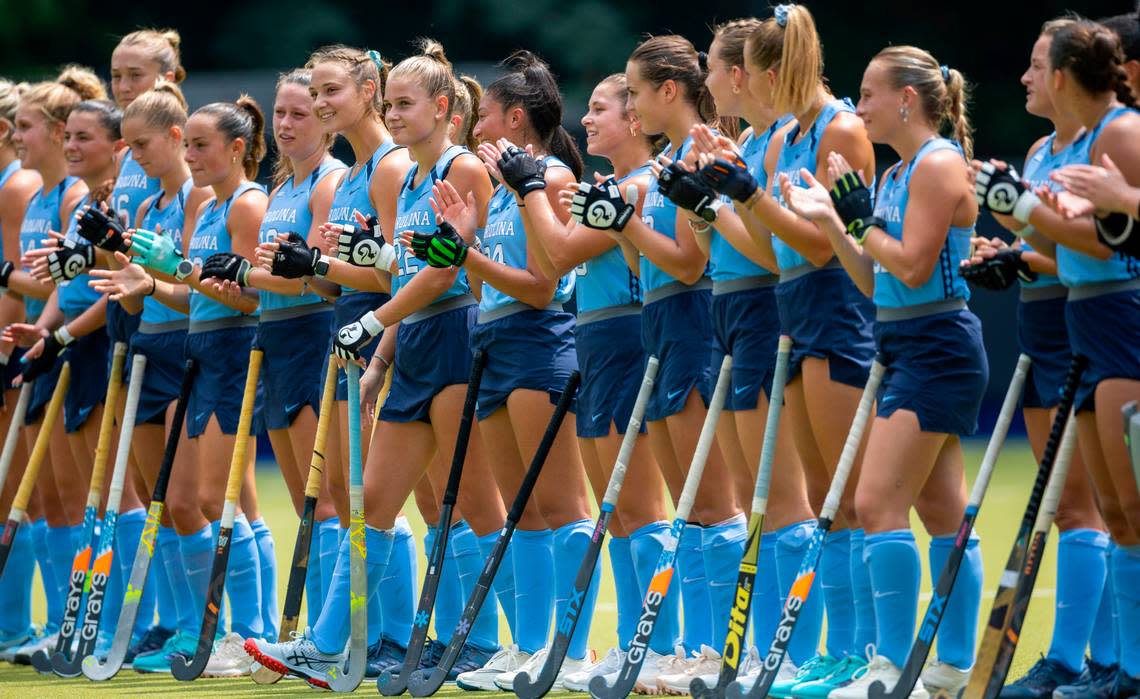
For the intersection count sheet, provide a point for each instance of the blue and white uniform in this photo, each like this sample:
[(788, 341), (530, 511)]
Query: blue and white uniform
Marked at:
[(132, 188), (292, 363)]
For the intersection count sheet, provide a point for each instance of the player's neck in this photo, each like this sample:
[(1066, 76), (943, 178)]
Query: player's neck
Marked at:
[(679, 127), (52, 173), (427, 153), (173, 180), (97, 180), (910, 139), (1067, 128), (759, 119), (1090, 109), (364, 138), (630, 157), (7, 157), (306, 166), (226, 188)]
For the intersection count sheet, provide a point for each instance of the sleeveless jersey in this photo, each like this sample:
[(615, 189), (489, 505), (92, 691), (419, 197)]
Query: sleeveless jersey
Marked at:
[(41, 216), (75, 296), (1041, 162), (132, 187), (660, 214), (168, 220), (606, 280), (352, 194), (212, 235)]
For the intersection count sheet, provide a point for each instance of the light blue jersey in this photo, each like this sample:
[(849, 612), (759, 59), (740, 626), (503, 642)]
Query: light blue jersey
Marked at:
[(504, 241), (1075, 268), (42, 215), (132, 187), (1041, 162), (802, 153), (414, 213), (352, 194), (890, 205), (212, 235), (289, 212), (167, 220), (606, 281), (75, 296), (660, 214)]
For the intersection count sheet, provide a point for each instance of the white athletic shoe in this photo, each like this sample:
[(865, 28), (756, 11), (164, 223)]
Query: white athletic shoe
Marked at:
[(878, 669), (228, 658), (704, 664), (506, 660), (608, 667), (23, 654), (506, 680), (942, 678), (299, 655), (656, 665)]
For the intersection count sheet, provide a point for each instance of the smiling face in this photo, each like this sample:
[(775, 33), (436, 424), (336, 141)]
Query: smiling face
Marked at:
[(879, 103), (410, 114), (88, 148), (210, 158), (133, 72), (338, 101), (725, 82), (155, 150), (492, 121), (37, 139), (608, 125), (296, 129), (647, 103)]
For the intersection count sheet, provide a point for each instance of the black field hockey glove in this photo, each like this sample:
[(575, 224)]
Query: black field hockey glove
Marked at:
[(731, 178), (689, 191), (1003, 192), (295, 259), (445, 248), (601, 206), (102, 229), (6, 270), (53, 345), (521, 171), (69, 260), (226, 266), (853, 203), (1000, 271), (1120, 232), (365, 246), (354, 336)]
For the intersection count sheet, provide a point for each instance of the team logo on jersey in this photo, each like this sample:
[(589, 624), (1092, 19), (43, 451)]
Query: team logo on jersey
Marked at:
[(601, 214)]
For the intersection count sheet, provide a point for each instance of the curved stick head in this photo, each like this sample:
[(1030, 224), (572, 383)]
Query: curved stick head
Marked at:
[(600, 689), (736, 690), (528, 687), (700, 690), (186, 669), (391, 684), (67, 667), (41, 661), (100, 670), (878, 690), (423, 683)]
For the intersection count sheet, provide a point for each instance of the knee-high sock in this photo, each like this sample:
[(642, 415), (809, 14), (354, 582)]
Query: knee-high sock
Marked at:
[(329, 546), (534, 587), (127, 534), (696, 605), (896, 569), (1103, 639), (1081, 572), (571, 541), (626, 589), (61, 553), (332, 629), (163, 590), (398, 588), (314, 593), (1125, 574), (448, 596), (267, 563), (722, 546), (467, 562), (181, 607), (198, 557), (959, 630), (645, 545), (766, 599), (864, 597), (243, 581), (504, 580), (838, 593), (791, 545), (16, 611)]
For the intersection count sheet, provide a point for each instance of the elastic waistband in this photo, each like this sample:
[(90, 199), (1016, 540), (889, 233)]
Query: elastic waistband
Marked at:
[(886, 315), (731, 286), (270, 315), (205, 326), (674, 288), (600, 314), (169, 326), (440, 307), (511, 309), (1042, 293), (1088, 291), (792, 273)]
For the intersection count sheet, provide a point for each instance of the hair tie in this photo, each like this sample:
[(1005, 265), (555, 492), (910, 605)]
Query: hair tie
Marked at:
[(703, 60), (377, 59), (781, 14), (945, 73)]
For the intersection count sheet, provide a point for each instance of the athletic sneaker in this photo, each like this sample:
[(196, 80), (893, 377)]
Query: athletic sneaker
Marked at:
[(299, 656), (815, 668), (228, 658), (469, 659), (656, 665), (153, 640), (433, 653), (1044, 677), (1096, 682), (943, 678), (9, 644), (505, 660), (533, 667), (878, 669), (180, 643), (841, 675), (705, 664), (579, 680), (383, 655), (23, 654)]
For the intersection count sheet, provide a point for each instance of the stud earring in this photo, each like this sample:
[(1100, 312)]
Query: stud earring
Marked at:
[(904, 112), (736, 89)]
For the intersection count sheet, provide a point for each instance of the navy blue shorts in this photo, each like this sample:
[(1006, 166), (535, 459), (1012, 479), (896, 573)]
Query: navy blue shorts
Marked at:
[(14, 367), (746, 325), (223, 359), (612, 362), (678, 329), (41, 393), (294, 362), (88, 385), (348, 309), (1043, 335), (431, 354), (162, 380), (1106, 329), (531, 349), (828, 317), (936, 367), (121, 327)]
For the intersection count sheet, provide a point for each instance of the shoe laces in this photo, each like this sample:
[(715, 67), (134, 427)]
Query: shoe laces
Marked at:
[(845, 665), (503, 658), (677, 662), (535, 661)]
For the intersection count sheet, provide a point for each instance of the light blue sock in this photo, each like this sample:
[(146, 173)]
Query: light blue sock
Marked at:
[(16, 611), (243, 581), (958, 632), (175, 569), (1103, 639), (791, 545), (864, 597), (332, 629), (397, 591), (896, 570), (626, 589), (330, 544), (448, 596), (571, 541), (766, 599), (198, 557), (504, 580), (534, 587), (1125, 574), (267, 561), (1081, 572), (164, 603), (467, 562), (722, 546), (314, 593), (838, 593), (128, 531), (77, 538), (60, 556), (645, 545), (696, 604)]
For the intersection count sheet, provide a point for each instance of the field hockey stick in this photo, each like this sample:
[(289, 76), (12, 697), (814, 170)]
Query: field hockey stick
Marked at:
[(35, 461), (663, 573), (746, 576), (93, 667), (188, 669), (390, 683), (11, 440), (524, 686), (998, 620), (915, 662), (810, 564), (80, 565), (299, 570), (1132, 434), (427, 682)]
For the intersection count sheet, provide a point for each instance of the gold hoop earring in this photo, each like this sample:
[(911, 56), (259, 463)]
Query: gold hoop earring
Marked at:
[(735, 89)]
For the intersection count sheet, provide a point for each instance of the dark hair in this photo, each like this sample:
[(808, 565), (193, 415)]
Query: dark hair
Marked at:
[(241, 119), (1091, 53), (1127, 28), (673, 57), (110, 116), (530, 84)]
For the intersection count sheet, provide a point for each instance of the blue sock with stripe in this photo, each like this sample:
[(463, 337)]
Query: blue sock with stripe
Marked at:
[(164, 600), (467, 562), (896, 569), (128, 531), (1125, 573), (625, 588), (864, 597), (175, 568), (534, 587), (243, 581), (267, 562), (397, 590), (722, 546), (645, 545), (332, 629), (504, 580), (696, 604), (1103, 639), (838, 593), (1081, 572), (330, 545), (314, 593), (198, 557), (571, 541), (16, 612), (958, 632), (766, 599), (791, 545)]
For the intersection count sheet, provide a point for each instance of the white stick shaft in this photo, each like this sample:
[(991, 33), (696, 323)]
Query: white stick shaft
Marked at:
[(13, 438), (1001, 428), (772, 426), (126, 430), (629, 441), (705, 442), (1057, 479), (851, 446)]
